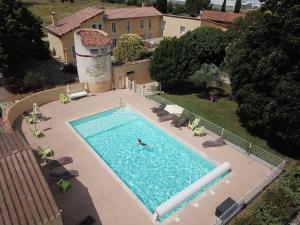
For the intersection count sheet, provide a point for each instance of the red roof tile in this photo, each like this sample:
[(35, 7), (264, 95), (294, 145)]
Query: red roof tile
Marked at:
[(24, 193), (94, 38), (222, 17), (73, 21), (124, 13)]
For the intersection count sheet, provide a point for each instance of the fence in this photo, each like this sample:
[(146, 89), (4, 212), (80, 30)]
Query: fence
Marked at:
[(239, 143), (257, 153)]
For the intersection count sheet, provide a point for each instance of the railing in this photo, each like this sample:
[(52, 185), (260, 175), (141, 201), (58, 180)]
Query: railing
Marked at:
[(257, 153), (237, 142)]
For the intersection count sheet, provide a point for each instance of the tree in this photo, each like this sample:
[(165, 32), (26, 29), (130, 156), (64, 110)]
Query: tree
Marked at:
[(237, 6), (264, 67), (165, 64), (131, 47), (193, 7), (223, 9), (202, 45), (205, 75), (170, 7), (161, 5), (20, 38)]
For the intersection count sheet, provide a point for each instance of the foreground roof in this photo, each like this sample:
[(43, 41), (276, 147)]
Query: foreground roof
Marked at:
[(123, 13), (73, 21), (94, 38), (24, 193), (221, 17)]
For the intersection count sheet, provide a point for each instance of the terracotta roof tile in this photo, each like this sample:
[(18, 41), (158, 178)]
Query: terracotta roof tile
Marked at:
[(123, 13), (222, 17), (94, 38), (74, 20), (24, 194)]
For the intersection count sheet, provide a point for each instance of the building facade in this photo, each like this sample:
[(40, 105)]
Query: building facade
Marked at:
[(144, 21)]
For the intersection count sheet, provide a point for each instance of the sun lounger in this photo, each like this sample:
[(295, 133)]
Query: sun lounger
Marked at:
[(161, 113), (161, 107), (63, 185), (63, 99), (180, 122), (59, 162), (64, 175), (211, 143), (89, 220), (199, 131), (166, 117), (192, 125), (44, 152)]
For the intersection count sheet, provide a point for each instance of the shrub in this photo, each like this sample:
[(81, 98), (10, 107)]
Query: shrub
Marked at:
[(131, 47), (34, 80), (69, 68)]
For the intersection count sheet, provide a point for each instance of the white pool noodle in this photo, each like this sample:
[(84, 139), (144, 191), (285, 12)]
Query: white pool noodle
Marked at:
[(180, 197)]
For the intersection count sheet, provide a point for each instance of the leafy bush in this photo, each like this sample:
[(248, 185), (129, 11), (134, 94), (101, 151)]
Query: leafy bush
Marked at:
[(130, 47), (69, 68), (278, 205), (205, 75), (34, 80)]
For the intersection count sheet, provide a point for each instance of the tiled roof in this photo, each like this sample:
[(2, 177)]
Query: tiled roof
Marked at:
[(123, 13), (94, 38), (222, 17), (73, 21), (25, 196)]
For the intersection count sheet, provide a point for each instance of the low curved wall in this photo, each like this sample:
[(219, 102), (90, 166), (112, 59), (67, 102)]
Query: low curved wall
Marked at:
[(40, 98)]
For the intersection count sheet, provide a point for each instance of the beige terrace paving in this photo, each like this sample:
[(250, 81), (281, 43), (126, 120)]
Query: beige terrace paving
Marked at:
[(98, 192)]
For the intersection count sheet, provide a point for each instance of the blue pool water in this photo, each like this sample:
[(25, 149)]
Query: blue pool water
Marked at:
[(154, 173)]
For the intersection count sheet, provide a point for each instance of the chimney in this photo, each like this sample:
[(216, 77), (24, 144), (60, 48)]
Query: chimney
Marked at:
[(53, 18), (143, 4)]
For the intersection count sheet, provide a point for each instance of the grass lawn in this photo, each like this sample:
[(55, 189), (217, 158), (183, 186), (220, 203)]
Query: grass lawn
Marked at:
[(42, 8), (221, 113)]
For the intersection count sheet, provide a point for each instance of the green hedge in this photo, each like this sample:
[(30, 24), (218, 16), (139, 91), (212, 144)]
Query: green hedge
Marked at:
[(278, 205)]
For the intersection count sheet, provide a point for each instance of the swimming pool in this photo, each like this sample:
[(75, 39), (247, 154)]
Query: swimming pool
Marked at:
[(154, 173)]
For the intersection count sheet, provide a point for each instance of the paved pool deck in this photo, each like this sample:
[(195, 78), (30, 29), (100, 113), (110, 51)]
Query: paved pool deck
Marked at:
[(100, 193)]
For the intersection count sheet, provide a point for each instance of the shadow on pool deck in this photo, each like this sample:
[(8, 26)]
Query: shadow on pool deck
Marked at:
[(77, 198)]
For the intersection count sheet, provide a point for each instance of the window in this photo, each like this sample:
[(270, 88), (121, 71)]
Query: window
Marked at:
[(94, 26), (182, 30), (113, 28), (114, 42), (142, 24), (94, 52), (149, 24), (100, 26), (103, 51), (128, 27)]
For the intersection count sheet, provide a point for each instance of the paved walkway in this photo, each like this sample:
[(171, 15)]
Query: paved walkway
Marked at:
[(100, 193)]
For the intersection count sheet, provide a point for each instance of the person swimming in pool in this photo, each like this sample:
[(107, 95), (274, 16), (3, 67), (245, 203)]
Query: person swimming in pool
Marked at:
[(141, 143)]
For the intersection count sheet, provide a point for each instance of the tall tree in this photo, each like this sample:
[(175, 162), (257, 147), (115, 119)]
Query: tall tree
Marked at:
[(202, 45), (264, 65), (161, 5), (237, 6), (223, 9), (20, 37), (193, 7), (166, 63)]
